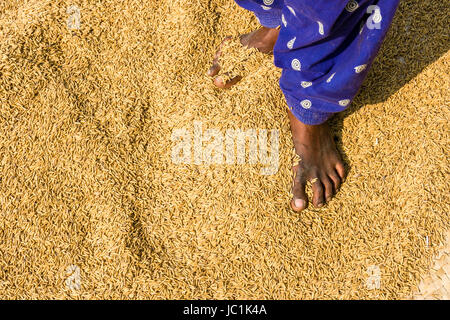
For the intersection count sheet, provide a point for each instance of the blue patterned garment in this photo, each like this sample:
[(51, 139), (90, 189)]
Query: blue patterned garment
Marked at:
[(325, 49)]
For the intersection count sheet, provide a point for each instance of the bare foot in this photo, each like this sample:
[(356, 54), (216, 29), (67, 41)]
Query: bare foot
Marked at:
[(262, 39), (320, 164)]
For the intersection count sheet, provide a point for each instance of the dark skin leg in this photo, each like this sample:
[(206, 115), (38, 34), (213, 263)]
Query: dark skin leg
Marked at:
[(321, 163)]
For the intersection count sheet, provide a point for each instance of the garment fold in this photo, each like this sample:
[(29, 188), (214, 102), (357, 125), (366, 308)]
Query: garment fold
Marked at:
[(325, 49)]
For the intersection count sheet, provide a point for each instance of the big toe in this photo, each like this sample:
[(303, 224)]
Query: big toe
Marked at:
[(299, 200), (298, 204), (220, 83)]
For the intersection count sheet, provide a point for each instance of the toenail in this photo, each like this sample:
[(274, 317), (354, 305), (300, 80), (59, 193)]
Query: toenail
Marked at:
[(299, 203), (320, 205)]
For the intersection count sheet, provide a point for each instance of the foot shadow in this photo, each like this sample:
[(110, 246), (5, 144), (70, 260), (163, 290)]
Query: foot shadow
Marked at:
[(419, 29)]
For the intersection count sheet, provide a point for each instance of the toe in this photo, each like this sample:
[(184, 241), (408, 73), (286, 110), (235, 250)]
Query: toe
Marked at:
[(329, 188), (300, 199), (318, 193), (298, 204), (219, 82), (214, 70), (340, 170), (336, 179)]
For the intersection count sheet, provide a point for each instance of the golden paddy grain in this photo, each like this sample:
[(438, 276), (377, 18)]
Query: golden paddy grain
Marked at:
[(87, 182)]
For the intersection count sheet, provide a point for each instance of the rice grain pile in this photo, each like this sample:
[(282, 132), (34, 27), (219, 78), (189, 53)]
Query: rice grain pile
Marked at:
[(436, 284), (238, 61), (92, 205)]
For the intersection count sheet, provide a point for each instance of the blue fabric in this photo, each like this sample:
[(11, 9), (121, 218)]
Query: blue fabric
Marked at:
[(325, 49)]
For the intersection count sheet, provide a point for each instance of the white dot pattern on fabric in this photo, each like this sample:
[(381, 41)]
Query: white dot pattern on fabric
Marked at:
[(306, 104), (360, 68), (351, 6), (283, 19), (344, 103), (306, 84), (321, 31), (268, 2), (292, 10), (296, 65), (290, 44), (331, 77), (266, 8)]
